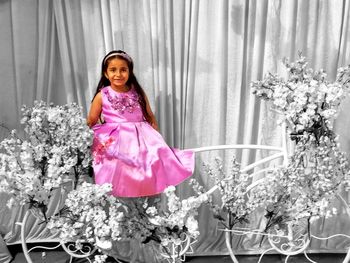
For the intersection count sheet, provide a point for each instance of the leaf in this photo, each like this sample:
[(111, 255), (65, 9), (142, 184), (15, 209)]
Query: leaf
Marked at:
[(219, 217), (147, 240), (151, 237), (269, 214), (175, 229), (243, 220)]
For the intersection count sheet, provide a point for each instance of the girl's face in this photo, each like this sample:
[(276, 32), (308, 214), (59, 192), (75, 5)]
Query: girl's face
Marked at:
[(117, 73)]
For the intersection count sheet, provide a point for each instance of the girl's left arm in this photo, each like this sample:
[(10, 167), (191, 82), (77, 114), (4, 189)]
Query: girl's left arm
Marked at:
[(153, 123)]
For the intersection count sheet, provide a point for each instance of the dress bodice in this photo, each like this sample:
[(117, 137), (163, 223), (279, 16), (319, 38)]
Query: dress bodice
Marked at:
[(121, 106)]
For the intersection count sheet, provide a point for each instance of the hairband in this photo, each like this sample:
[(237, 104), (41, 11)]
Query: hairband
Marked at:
[(124, 55)]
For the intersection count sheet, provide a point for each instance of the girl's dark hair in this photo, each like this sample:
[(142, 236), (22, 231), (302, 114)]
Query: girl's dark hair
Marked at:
[(132, 81)]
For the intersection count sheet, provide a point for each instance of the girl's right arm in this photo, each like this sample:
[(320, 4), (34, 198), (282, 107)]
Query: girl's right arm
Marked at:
[(95, 110), (153, 120)]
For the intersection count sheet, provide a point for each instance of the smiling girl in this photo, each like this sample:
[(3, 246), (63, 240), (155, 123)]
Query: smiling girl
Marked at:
[(128, 150)]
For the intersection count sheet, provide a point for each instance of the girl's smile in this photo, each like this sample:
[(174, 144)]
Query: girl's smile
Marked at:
[(118, 74)]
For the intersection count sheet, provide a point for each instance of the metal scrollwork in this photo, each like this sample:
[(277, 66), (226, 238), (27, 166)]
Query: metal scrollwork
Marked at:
[(84, 251), (176, 251)]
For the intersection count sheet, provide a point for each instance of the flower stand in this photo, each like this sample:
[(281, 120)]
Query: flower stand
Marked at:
[(82, 252), (281, 153)]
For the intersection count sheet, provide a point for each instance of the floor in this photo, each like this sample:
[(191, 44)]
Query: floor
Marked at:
[(46, 256)]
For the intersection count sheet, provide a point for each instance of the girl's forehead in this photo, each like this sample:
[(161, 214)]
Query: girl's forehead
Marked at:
[(117, 62)]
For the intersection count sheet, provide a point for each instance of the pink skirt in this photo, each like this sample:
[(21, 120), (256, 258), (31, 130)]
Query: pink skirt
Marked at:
[(135, 159)]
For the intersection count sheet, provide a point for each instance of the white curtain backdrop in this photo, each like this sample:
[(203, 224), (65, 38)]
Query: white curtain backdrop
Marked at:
[(195, 60)]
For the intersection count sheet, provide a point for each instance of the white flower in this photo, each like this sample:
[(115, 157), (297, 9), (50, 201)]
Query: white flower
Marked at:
[(53, 114), (157, 220), (329, 113), (169, 189), (10, 203), (165, 241), (100, 258), (152, 211), (192, 226), (104, 244)]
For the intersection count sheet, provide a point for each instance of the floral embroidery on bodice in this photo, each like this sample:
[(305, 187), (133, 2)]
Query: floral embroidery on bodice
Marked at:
[(124, 102)]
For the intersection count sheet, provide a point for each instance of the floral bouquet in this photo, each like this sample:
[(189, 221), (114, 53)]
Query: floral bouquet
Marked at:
[(317, 168), (92, 215), (169, 226), (308, 102), (176, 220), (235, 204), (56, 144)]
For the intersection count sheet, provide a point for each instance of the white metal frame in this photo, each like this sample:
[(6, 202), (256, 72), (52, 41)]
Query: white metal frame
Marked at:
[(84, 252), (281, 153), (296, 246)]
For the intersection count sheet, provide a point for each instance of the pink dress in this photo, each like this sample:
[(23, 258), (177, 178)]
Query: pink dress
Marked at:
[(130, 154)]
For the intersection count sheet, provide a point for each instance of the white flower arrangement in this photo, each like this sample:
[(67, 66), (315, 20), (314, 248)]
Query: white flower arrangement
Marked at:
[(56, 144), (308, 102), (92, 215), (177, 219), (305, 188), (317, 168), (235, 205), (302, 190)]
